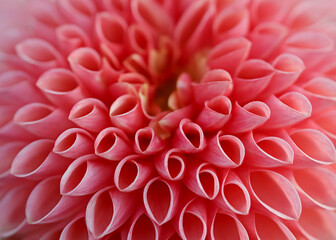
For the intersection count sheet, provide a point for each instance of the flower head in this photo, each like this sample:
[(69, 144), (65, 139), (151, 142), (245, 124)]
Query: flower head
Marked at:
[(166, 119)]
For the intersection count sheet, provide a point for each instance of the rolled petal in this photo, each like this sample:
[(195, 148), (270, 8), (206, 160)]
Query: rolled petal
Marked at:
[(10, 131), (189, 137), (45, 204), (267, 38), (252, 78), (310, 46), (224, 151), (142, 227), (325, 123), (73, 143), (117, 6), (76, 229), (311, 148), (267, 152), (70, 37), (161, 199), (8, 151), (139, 39), (90, 114), (225, 225), (39, 55), (215, 83), (268, 10), (147, 142), (249, 117), (171, 120), (229, 54), (171, 164), (107, 210), (42, 120), (124, 111), (132, 173), (233, 195), (202, 179), (61, 87), (191, 222), (321, 92), (112, 144), (288, 109), (86, 175), (231, 22), (36, 160), (215, 113), (264, 185)]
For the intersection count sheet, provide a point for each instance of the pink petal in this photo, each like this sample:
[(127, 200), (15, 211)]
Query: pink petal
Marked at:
[(124, 110), (264, 185), (8, 151), (326, 124), (229, 54), (107, 210), (172, 119), (233, 195), (90, 114), (112, 144), (251, 79), (250, 116), (73, 143), (161, 199), (132, 173), (202, 179), (189, 137), (36, 160), (120, 7), (268, 10), (215, 113), (224, 151), (13, 132), (76, 229), (267, 152), (61, 87), (311, 148), (45, 204), (139, 39), (42, 120), (171, 164), (147, 142), (86, 175), (288, 109)]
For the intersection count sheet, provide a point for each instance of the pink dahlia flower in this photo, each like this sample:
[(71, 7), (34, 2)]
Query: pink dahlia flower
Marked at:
[(167, 119)]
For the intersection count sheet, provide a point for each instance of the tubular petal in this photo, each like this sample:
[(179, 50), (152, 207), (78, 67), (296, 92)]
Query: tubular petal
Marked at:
[(147, 142), (76, 229)]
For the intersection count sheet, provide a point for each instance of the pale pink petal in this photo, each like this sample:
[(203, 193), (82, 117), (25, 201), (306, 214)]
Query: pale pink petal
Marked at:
[(107, 210), (226, 226), (311, 148), (8, 151), (215, 83), (161, 199), (36, 160), (325, 123), (111, 31), (191, 222), (310, 46), (267, 152), (147, 142), (250, 116), (264, 185), (86, 175), (287, 109), (70, 37), (61, 87), (189, 137), (233, 195), (215, 113), (76, 229), (229, 54), (171, 164), (112, 144), (142, 227), (39, 55), (231, 22), (73, 143), (252, 78), (202, 179), (224, 151), (10, 131), (127, 114), (132, 173), (267, 38), (42, 120), (45, 204), (90, 114)]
